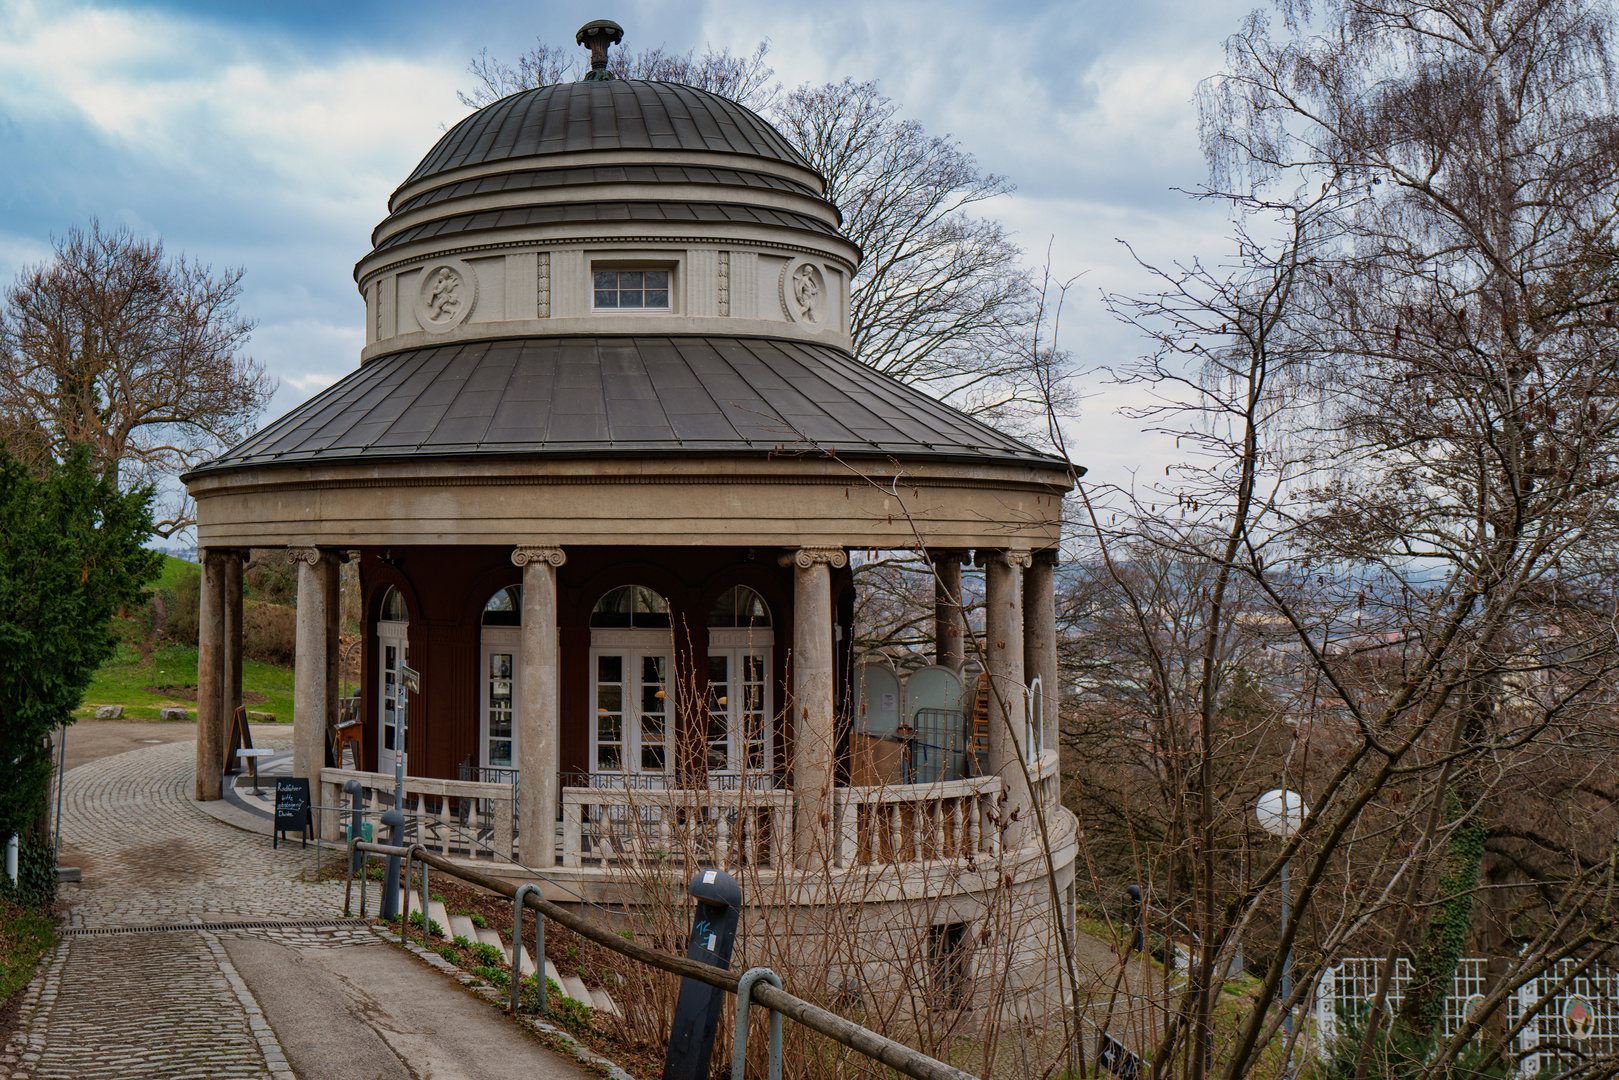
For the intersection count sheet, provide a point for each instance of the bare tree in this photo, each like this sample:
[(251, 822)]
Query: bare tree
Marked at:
[(743, 79), (941, 299), (114, 345), (1402, 424)]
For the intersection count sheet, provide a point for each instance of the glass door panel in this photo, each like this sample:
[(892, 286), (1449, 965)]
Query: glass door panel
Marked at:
[(609, 755), (498, 711), (651, 731), (391, 722)]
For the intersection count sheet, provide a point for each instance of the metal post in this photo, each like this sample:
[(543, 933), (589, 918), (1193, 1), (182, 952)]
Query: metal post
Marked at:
[(61, 777), (390, 875), (352, 789), (1287, 957), (1138, 920), (427, 916), (404, 912), (11, 860), (739, 1043), (517, 947), (348, 880)]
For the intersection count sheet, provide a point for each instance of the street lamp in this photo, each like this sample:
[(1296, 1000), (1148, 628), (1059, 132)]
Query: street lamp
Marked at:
[(1280, 813)]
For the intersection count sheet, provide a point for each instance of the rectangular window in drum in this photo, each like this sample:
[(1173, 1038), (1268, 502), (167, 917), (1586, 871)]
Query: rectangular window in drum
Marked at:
[(631, 290)]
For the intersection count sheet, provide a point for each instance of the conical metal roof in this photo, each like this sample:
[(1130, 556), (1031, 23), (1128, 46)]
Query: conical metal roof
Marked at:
[(622, 395)]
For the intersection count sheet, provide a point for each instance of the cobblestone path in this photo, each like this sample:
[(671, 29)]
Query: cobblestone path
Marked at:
[(120, 999)]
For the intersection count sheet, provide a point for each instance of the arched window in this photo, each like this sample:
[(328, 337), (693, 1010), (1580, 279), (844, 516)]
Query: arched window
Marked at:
[(739, 606), (393, 607), (630, 662), (631, 607), (505, 608)]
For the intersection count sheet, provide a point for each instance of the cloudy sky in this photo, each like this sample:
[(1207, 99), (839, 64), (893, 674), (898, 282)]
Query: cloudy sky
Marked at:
[(269, 135)]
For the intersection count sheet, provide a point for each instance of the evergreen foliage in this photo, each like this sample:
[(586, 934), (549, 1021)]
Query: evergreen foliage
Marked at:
[(70, 559)]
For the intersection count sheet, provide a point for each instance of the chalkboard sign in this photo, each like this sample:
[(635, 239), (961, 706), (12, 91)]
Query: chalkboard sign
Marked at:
[(292, 812)]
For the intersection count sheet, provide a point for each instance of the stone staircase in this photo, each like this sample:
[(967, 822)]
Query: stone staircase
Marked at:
[(572, 985)]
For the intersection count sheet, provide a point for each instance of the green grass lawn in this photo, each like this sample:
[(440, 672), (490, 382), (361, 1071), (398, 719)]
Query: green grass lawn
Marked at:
[(172, 569), (124, 679)]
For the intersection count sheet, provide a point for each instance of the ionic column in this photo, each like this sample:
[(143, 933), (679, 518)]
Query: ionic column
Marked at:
[(210, 677), (1003, 661), (538, 714), (232, 637), (948, 644), (814, 725), (1040, 638), (314, 703)]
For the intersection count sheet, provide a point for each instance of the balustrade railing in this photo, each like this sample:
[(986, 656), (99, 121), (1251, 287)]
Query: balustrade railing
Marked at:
[(613, 820), (904, 823), (617, 826), (460, 818)]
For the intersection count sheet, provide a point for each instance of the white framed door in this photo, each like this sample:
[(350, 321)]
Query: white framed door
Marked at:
[(632, 694), (394, 654), (498, 695), (741, 723)]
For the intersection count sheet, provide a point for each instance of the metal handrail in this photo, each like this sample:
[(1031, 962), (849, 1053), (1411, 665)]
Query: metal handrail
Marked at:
[(863, 1040)]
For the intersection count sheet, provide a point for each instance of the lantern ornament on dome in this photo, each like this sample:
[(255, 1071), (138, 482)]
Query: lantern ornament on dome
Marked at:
[(598, 36), (1280, 812)]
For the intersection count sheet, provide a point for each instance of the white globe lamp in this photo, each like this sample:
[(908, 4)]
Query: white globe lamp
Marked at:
[(1281, 812)]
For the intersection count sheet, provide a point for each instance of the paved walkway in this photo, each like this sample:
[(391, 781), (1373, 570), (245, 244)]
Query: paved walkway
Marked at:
[(143, 984)]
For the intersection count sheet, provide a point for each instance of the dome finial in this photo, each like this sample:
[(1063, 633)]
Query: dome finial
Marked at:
[(598, 35)]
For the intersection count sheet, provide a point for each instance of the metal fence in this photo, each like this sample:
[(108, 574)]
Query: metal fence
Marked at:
[(1570, 1018)]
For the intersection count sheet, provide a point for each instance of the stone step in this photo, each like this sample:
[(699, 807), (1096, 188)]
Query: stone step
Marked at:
[(555, 976), (604, 1002), (490, 936), (436, 912), (575, 986), (461, 926)]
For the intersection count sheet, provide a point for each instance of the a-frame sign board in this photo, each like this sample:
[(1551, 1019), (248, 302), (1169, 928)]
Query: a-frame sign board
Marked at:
[(240, 739)]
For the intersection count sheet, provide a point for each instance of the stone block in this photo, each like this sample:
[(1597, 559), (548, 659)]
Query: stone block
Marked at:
[(110, 712), (173, 714), (261, 717)]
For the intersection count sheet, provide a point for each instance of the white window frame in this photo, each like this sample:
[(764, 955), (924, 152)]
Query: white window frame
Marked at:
[(735, 644), (634, 646), (632, 266), (499, 640), (395, 634)]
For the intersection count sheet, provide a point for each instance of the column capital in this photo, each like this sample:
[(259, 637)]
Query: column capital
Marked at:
[(948, 555), (310, 555), (523, 554), (1003, 556), (806, 557), (1046, 557)]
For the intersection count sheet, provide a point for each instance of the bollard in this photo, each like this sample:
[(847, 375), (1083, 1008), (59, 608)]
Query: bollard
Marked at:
[(1138, 919), (11, 860), (390, 876), (517, 948), (697, 1012), (352, 789)]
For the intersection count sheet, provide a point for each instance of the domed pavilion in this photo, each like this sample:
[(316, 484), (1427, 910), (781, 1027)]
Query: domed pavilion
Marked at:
[(602, 465)]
